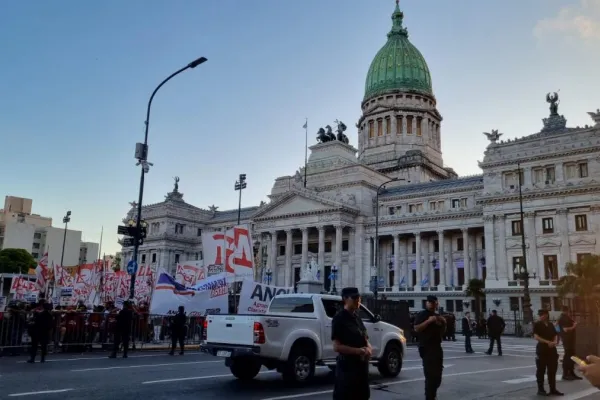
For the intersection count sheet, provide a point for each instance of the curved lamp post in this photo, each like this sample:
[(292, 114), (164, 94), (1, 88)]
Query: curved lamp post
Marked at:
[(142, 156)]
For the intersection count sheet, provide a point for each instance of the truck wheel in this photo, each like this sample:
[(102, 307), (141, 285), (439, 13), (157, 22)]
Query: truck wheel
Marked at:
[(244, 369), (390, 363), (300, 366)]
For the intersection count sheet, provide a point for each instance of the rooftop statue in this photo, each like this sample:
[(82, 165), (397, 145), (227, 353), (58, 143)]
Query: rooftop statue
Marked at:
[(213, 208), (341, 128), (176, 187), (327, 135), (494, 136), (552, 98)]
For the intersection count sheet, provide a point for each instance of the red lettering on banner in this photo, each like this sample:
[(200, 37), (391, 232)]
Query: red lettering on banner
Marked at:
[(220, 291), (239, 243)]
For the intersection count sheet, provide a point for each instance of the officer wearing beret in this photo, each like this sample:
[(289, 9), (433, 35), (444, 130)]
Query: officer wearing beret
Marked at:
[(546, 355), (431, 328), (351, 342)]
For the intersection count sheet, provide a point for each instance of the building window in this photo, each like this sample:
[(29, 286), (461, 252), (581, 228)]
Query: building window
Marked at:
[(582, 169), (345, 245), (414, 208), (379, 127), (483, 242), (547, 303), (399, 125), (176, 258), (409, 123), (37, 235), (436, 277), (547, 225), (436, 246), (414, 247), (517, 263), (36, 245), (388, 126), (576, 170), (143, 259), (517, 227), (550, 268), (391, 210), (449, 305), (199, 232), (459, 203), (298, 248), (511, 179), (419, 126), (514, 304), (582, 256), (581, 223), (282, 250), (35, 255), (433, 205), (327, 247), (460, 245), (371, 129), (154, 257)]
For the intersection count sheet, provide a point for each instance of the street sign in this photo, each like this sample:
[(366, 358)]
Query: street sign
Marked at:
[(128, 242), (122, 230), (132, 267)]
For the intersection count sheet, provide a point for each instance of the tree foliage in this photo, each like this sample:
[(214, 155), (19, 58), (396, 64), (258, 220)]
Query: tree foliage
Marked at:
[(116, 263), (476, 289), (582, 280), (16, 261)]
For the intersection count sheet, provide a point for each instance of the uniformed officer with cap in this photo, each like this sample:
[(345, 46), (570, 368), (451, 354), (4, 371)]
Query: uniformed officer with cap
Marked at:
[(546, 355), (431, 327), (351, 342)]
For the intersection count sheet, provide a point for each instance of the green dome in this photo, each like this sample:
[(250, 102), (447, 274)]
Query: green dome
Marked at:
[(398, 66)]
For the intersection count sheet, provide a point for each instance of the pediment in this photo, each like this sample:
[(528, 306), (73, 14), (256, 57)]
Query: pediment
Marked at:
[(298, 203), (582, 240), (549, 243), (515, 244)]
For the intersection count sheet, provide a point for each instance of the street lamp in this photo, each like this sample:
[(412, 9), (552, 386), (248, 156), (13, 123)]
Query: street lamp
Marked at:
[(497, 302), (239, 186), (66, 220), (527, 312), (376, 263), (334, 271), (141, 154), (268, 273), (466, 304)]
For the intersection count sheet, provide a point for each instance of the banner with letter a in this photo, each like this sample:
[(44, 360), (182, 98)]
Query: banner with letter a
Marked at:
[(230, 252), (168, 295), (255, 297)]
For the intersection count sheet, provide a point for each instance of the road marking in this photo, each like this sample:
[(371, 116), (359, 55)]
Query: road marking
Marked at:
[(529, 378), (143, 366), (102, 358), (450, 358), (294, 396), (582, 394), (192, 378), (40, 392)]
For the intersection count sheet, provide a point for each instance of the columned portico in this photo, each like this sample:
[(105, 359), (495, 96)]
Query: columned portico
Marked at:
[(397, 277), (418, 263), (288, 257), (304, 257)]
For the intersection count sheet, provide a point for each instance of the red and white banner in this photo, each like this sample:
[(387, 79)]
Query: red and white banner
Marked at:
[(42, 273), (231, 252), (21, 288), (190, 272)]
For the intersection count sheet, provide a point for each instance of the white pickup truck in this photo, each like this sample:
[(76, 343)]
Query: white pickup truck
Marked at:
[(295, 336)]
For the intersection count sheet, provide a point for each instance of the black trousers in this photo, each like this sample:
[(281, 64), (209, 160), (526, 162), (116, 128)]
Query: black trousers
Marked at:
[(351, 381), (177, 337), (497, 339), (433, 366), (121, 337), (568, 365), (468, 347), (546, 362), (42, 341)]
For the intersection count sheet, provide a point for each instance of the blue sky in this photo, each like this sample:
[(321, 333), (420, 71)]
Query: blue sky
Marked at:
[(75, 78)]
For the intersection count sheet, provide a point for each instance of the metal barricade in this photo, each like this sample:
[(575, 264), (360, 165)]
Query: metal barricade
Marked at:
[(74, 331)]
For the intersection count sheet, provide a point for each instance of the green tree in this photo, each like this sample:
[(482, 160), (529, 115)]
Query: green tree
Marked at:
[(476, 289), (582, 280), (116, 263), (16, 261)]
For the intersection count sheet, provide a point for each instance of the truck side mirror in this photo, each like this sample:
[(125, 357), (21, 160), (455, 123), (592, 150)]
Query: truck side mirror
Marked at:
[(376, 318)]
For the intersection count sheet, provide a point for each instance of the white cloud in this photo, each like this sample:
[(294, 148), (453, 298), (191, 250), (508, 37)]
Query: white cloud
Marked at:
[(582, 21)]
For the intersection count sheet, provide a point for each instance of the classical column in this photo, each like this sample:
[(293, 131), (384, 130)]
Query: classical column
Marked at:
[(288, 257), (397, 271), (406, 271), (565, 248), (358, 248), (321, 253), (473, 256), (418, 260), (304, 258), (350, 277), (273, 256), (425, 263), (368, 263), (532, 256), (490, 248), (339, 230), (504, 267), (466, 262), (441, 260), (430, 266)]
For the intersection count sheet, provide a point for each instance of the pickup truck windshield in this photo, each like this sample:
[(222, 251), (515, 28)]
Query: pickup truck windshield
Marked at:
[(292, 305)]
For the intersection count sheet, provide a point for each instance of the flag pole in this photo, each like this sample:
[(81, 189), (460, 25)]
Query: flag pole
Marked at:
[(305, 149)]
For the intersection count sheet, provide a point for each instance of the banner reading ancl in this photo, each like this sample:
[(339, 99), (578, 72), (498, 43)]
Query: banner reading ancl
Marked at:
[(229, 252), (255, 297)]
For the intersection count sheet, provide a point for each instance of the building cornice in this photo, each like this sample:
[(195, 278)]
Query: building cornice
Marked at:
[(523, 157), (429, 193), (392, 220), (529, 194)]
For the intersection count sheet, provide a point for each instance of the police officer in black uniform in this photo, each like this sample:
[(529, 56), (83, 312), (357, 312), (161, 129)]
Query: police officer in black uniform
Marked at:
[(351, 342), (567, 329), (123, 330), (546, 354), (431, 328)]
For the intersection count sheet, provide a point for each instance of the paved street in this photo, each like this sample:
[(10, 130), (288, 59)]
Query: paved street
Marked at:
[(158, 376)]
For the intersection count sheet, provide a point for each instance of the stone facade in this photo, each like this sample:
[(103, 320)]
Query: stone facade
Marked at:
[(435, 230)]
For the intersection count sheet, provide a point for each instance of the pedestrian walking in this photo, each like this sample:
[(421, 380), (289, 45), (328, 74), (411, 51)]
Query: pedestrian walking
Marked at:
[(467, 330), (40, 330), (546, 359), (178, 330), (123, 330), (567, 329), (431, 328), (351, 342), (495, 328)]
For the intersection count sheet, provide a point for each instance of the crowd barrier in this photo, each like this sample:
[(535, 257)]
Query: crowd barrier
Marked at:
[(88, 331)]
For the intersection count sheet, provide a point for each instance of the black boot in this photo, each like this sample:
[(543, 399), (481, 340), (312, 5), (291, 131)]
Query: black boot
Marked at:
[(554, 392), (541, 391)]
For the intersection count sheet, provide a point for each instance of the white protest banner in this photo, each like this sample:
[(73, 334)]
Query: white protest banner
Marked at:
[(231, 250), (190, 272), (168, 295), (255, 296), (21, 287)]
